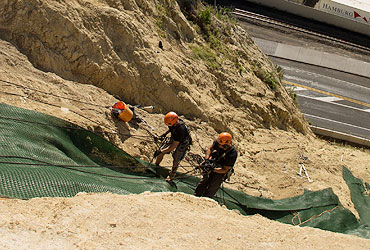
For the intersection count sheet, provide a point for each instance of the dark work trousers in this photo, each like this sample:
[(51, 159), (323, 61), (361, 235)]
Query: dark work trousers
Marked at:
[(208, 187)]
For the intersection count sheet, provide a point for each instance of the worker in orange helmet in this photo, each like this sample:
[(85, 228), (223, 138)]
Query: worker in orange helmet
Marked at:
[(179, 143), (218, 165)]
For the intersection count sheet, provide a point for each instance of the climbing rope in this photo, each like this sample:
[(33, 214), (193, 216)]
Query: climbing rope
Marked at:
[(296, 215), (367, 191), (77, 128), (67, 98), (193, 159), (43, 163), (149, 138), (48, 93), (70, 167)]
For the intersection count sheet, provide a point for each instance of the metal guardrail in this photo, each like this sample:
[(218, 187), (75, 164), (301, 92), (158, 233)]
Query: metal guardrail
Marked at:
[(266, 19), (340, 136)]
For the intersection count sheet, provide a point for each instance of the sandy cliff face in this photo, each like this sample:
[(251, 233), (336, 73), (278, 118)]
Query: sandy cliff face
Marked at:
[(114, 45)]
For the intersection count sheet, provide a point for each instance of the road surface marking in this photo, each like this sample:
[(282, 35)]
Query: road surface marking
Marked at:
[(334, 103), (327, 93), (342, 123)]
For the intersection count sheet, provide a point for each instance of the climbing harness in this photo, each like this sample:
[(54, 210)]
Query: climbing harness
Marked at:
[(207, 167), (161, 145), (229, 174)]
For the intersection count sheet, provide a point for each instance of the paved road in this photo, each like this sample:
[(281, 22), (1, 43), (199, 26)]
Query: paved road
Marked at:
[(330, 99), (346, 86)]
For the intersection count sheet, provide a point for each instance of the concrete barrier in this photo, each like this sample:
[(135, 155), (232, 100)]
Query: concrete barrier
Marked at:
[(340, 136), (314, 14), (310, 56)]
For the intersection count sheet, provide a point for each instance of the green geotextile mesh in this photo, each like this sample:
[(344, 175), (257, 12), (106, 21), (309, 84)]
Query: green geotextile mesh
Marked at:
[(43, 156), (360, 195)]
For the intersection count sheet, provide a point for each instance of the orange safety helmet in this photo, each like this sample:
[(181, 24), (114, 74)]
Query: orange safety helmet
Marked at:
[(171, 118), (224, 139), (119, 105)]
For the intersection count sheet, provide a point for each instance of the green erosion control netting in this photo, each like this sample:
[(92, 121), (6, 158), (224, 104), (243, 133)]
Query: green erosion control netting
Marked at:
[(43, 156), (360, 195)]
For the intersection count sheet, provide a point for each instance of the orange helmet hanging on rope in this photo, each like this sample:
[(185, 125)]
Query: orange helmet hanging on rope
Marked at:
[(119, 105), (224, 139), (171, 118)]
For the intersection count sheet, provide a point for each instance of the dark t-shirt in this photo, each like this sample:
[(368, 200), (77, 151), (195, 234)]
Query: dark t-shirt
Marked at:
[(229, 159), (180, 132)]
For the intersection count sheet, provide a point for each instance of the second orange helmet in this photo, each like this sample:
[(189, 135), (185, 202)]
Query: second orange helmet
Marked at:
[(171, 118), (224, 139)]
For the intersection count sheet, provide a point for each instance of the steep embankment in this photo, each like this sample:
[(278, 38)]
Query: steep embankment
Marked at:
[(114, 46), (207, 69)]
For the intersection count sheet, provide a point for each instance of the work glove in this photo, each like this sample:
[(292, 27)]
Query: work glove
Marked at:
[(156, 139), (201, 165), (157, 152)]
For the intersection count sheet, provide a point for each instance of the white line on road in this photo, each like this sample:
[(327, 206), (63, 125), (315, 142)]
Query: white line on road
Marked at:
[(316, 84), (294, 88), (339, 104), (343, 123), (328, 99)]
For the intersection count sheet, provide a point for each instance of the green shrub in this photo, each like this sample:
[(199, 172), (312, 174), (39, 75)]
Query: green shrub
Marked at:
[(292, 93), (205, 16), (266, 77), (280, 71), (205, 54)]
